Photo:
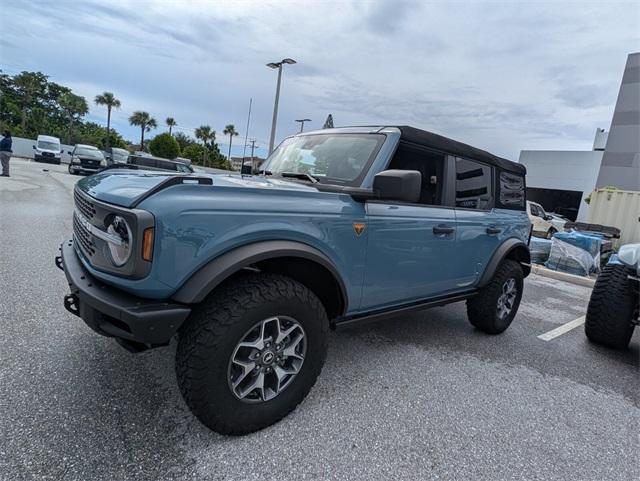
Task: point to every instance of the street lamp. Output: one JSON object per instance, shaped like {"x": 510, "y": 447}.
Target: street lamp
{"x": 277, "y": 65}
{"x": 302, "y": 121}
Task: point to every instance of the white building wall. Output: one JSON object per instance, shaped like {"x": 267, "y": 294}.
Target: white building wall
{"x": 563, "y": 170}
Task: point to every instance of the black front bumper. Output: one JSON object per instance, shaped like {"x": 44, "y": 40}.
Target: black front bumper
{"x": 115, "y": 313}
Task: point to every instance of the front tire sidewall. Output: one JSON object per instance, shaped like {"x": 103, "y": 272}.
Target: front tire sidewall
{"x": 210, "y": 396}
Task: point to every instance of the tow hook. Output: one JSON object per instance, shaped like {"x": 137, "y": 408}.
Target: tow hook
{"x": 71, "y": 304}
{"x": 59, "y": 263}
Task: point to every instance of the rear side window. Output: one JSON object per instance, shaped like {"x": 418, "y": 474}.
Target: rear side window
{"x": 163, "y": 164}
{"x": 144, "y": 161}
{"x": 511, "y": 191}
{"x": 473, "y": 185}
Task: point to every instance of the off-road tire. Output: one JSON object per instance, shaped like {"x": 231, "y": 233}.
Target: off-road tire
{"x": 210, "y": 335}
{"x": 611, "y": 308}
{"x": 482, "y": 308}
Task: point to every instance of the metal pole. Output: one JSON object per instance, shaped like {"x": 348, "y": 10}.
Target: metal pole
{"x": 272, "y": 139}
{"x": 246, "y": 134}
{"x": 301, "y": 125}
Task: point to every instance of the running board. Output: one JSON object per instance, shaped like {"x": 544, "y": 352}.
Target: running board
{"x": 375, "y": 316}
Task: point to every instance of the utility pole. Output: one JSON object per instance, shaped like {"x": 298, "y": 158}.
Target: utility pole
{"x": 246, "y": 133}
{"x": 277, "y": 65}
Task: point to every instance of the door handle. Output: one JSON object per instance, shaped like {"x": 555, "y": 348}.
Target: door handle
{"x": 493, "y": 230}
{"x": 443, "y": 229}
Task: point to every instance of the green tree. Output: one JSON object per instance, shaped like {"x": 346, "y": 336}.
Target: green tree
{"x": 111, "y": 102}
{"x": 145, "y": 122}
{"x": 171, "y": 122}
{"x": 74, "y": 108}
{"x": 230, "y": 130}
{"x": 183, "y": 140}
{"x": 196, "y": 153}
{"x": 95, "y": 134}
{"x": 164, "y": 145}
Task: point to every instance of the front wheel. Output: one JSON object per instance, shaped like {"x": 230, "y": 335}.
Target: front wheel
{"x": 495, "y": 306}
{"x": 71, "y": 171}
{"x": 251, "y": 352}
{"x": 612, "y": 308}
{"x": 551, "y": 232}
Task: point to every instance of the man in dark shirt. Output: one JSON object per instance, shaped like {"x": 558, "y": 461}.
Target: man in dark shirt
{"x": 5, "y": 152}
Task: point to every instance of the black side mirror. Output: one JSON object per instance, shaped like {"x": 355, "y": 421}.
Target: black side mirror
{"x": 403, "y": 185}
{"x": 69, "y": 152}
{"x": 548, "y": 217}
{"x": 34, "y": 147}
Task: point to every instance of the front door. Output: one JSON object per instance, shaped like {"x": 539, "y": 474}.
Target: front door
{"x": 410, "y": 253}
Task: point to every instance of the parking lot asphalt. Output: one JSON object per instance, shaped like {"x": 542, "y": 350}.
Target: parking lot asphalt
{"x": 420, "y": 397}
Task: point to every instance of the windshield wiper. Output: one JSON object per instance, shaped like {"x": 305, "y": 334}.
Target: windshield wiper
{"x": 301, "y": 176}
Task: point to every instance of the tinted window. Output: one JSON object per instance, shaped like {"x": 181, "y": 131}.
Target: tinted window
{"x": 473, "y": 185}
{"x": 511, "y": 190}
{"x": 429, "y": 164}
{"x": 144, "y": 161}
{"x": 163, "y": 164}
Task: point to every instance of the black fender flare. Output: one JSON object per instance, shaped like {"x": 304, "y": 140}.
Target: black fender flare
{"x": 212, "y": 274}
{"x": 501, "y": 253}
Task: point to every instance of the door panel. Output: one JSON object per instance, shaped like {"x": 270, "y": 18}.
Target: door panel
{"x": 406, "y": 260}
{"x": 479, "y": 234}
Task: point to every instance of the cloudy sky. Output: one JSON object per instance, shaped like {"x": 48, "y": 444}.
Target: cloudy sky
{"x": 503, "y": 76}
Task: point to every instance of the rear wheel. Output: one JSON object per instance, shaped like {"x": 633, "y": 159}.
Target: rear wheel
{"x": 251, "y": 352}
{"x": 495, "y": 306}
{"x": 612, "y": 308}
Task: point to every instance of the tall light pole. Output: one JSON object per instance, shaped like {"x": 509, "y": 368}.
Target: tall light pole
{"x": 302, "y": 121}
{"x": 277, "y": 65}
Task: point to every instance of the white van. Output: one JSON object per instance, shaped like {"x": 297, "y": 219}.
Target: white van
{"x": 47, "y": 149}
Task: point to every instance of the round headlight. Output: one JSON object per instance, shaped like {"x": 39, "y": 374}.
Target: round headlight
{"x": 121, "y": 251}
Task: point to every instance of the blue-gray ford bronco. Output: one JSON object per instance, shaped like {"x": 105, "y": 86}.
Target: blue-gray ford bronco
{"x": 250, "y": 272}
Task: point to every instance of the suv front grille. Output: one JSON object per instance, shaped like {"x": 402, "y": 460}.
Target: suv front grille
{"x": 83, "y": 205}
{"x": 83, "y": 236}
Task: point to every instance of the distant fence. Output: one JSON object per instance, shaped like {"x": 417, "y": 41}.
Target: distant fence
{"x": 617, "y": 208}
{"x": 24, "y": 148}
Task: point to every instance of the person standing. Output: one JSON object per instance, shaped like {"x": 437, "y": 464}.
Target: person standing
{"x": 5, "y": 152}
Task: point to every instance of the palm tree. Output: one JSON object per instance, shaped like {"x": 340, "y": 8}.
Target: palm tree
{"x": 145, "y": 122}
{"x": 171, "y": 122}
{"x": 230, "y": 130}
{"x": 207, "y": 135}
{"x": 108, "y": 99}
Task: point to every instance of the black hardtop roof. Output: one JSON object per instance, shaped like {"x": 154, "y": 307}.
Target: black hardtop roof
{"x": 439, "y": 142}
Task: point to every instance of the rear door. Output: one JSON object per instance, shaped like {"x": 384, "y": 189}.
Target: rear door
{"x": 480, "y": 227}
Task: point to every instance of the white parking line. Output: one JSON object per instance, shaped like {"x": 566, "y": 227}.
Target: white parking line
{"x": 558, "y": 331}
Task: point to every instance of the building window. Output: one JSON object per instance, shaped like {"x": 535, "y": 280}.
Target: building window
{"x": 473, "y": 185}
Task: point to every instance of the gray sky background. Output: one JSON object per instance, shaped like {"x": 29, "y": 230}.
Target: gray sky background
{"x": 503, "y": 76}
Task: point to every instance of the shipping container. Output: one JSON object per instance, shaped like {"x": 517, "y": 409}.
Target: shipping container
{"x": 617, "y": 208}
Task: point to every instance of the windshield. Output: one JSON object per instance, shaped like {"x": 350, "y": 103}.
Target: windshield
{"x": 330, "y": 158}
{"x": 93, "y": 153}
{"x": 44, "y": 145}
{"x": 119, "y": 155}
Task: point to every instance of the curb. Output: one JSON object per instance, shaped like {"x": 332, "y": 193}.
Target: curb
{"x": 562, "y": 276}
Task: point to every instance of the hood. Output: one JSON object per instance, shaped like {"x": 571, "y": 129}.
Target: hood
{"x": 125, "y": 188}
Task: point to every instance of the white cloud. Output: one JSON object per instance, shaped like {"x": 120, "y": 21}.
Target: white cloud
{"x": 500, "y": 76}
